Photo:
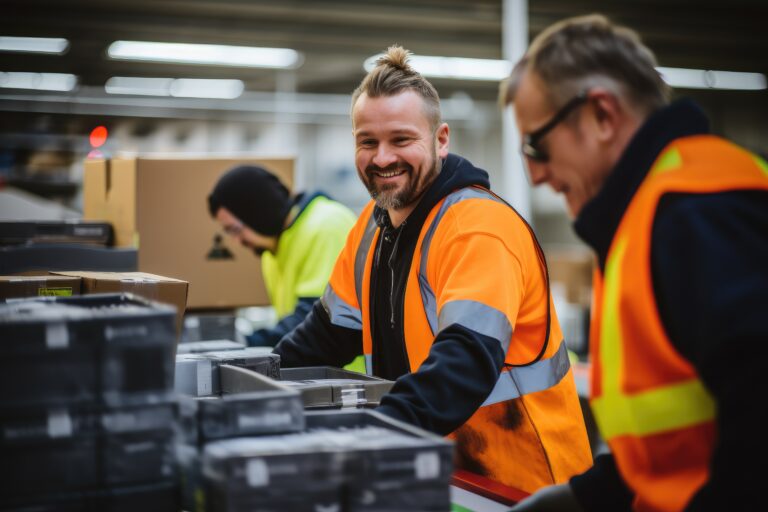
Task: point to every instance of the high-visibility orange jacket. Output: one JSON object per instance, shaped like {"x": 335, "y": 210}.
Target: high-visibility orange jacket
{"x": 648, "y": 400}
{"x": 474, "y": 305}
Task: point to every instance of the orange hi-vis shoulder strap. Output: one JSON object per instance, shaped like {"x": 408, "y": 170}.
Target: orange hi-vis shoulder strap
{"x": 344, "y": 298}
{"x": 517, "y": 379}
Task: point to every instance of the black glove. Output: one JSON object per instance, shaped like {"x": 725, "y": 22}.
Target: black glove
{"x": 555, "y": 498}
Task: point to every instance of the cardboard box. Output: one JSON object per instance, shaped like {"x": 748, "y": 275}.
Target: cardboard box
{"x": 150, "y": 286}
{"x": 574, "y": 270}
{"x": 159, "y": 206}
{"x": 13, "y": 287}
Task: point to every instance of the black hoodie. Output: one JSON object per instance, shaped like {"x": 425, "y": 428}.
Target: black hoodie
{"x": 711, "y": 288}
{"x": 458, "y": 356}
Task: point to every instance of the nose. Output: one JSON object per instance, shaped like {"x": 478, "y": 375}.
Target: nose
{"x": 384, "y": 155}
{"x": 537, "y": 171}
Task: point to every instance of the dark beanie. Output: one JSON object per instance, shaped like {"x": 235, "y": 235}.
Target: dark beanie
{"x": 253, "y": 195}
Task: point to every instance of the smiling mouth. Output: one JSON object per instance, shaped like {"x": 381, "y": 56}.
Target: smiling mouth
{"x": 389, "y": 174}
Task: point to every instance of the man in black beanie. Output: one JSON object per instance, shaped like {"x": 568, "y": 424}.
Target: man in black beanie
{"x": 298, "y": 238}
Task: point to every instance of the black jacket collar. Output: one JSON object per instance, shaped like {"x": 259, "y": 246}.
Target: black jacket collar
{"x": 599, "y": 219}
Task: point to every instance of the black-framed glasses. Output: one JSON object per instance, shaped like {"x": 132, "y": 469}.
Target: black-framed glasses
{"x": 233, "y": 229}
{"x": 530, "y": 146}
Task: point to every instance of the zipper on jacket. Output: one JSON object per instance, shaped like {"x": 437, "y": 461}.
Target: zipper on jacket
{"x": 391, "y": 264}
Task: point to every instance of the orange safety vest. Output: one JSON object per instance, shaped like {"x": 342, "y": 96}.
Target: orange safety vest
{"x": 530, "y": 430}
{"x": 649, "y": 403}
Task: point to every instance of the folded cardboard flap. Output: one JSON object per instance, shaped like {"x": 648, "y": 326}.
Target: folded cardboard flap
{"x": 150, "y": 286}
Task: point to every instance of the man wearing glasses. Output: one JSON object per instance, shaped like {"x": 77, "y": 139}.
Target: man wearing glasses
{"x": 298, "y": 239}
{"x": 678, "y": 220}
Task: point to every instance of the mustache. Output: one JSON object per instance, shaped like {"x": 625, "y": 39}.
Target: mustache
{"x": 397, "y": 166}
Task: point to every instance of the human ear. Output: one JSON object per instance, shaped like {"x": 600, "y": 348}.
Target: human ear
{"x": 606, "y": 112}
{"x": 442, "y": 138}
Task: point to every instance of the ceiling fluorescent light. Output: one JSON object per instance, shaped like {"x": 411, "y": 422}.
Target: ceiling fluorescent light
{"x": 179, "y": 87}
{"x": 53, "y": 45}
{"x": 458, "y": 68}
{"x": 207, "y": 54}
{"x": 203, "y": 88}
{"x": 708, "y": 79}
{"x": 38, "y": 81}
{"x": 494, "y": 70}
{"x": 139, "y": 86}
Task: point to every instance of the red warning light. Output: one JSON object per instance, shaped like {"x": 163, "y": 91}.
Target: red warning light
{"x": 98, "y": 136}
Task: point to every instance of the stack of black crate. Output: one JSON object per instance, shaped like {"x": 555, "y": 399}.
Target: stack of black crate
{"x": 87, "y": 410}
{"x": 252, "y": 447}
{"x": 225, "y": 395}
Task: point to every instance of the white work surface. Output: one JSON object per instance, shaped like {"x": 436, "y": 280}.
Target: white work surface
{"x": 466, "y": 501}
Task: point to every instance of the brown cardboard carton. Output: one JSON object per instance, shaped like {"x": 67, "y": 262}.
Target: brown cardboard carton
{"x": 150, "y": 286}
{"x": 159, "y": 206}
{"x": 12, "y": 287}
{"x": 574, "y": 270}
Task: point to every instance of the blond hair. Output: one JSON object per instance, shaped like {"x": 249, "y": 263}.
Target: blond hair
{"x": 393, "y": 75}
{"x": 586, "y": 51}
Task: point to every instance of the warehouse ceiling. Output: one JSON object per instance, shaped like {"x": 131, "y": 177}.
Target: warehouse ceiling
{"x": 336, "y": 36}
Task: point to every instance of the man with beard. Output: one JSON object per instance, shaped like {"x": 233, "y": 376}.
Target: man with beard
{"x": 298, "y": 239}
{"x": 444, "y": 289}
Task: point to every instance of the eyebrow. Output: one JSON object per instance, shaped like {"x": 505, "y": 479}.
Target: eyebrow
{"x": 399, "y": 131}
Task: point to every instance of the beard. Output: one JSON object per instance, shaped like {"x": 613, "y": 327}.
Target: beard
{"x": 389, "y": 196}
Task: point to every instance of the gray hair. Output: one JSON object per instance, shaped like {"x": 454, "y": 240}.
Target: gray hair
{"x": 587, "y": 51}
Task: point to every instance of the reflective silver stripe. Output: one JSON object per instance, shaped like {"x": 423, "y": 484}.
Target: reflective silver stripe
{"x": 524, "y": 380}
{"x": 362, "y": 255}
{"x": 341, "y": 313}
{"x": 478, "y": 317}
{"x": 427, "y": 294}
{"x": 368, "y": 364}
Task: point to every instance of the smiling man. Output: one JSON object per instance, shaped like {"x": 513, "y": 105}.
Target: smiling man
{"x": 678, "y": 221}
{"x": 444, "y": 289}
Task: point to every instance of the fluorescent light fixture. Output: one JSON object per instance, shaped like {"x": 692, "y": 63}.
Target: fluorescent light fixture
{"x": 494, "y": 70}
{"x": 458, "y": 68}
{"x": 177, "y": 87}
{"x": 204, "y": 88}
{"x": 708, "y": 79}
{"x": 55, "y": 45}
{"x": 208, "y": 54}
{"x": 139, "y": 86}
{"x": 38, "y": 81}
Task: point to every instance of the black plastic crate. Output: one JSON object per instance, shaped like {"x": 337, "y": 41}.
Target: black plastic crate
{"x": 328, "y": 387}
{"x": 257, "y": 359}
{"x": 49, "y": 232}
{"x": 110, "y": 349}
{"x": 393, "y": 496}
{"x": 198, "y": 374}
{"x": 156, "y": 497}
{"x": 273, "y": 409}
{"x": 80, "y": 449}
{"x": 425, "y": 457}
{"x": 376, "y": 462}
{"x": 209, "y": 326}
{"x": 302, "y": 498}
{"x": 196, "y": 347}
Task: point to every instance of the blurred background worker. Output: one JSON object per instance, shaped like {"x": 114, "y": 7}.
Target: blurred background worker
{"x": 443, "y": 286}
{"x": 298, "y": 239}
{"x": 678, "y": 220}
